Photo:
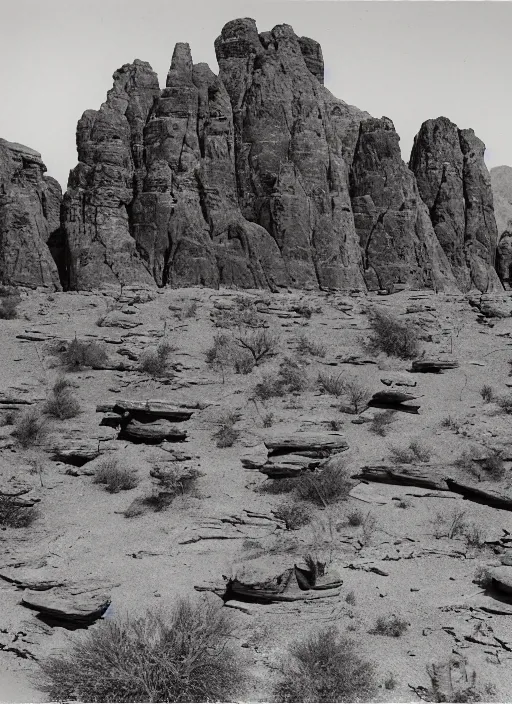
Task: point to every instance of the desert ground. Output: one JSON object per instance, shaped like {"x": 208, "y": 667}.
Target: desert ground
{"x": 432, "y": 558}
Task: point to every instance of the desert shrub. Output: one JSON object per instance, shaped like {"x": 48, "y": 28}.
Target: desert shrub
{"x": 279, "y": 486}
{"x": 115, "y": 478}
{"x": 381, "y": 422}
{"x": 390, "y": 625}
{"x": 12, "y": 515}
{"x": 295, "y": 514}
{"x": 466, "y": 462}
{"x": 306, "y": 346}
{"x": 225, "y": 353}
{"x": 155, "y": 362}
{"x": 268, "y": 420}
{"x": 31, "y": 428}
{"x": 357, "y": 396}
{"x": 393, "y": 337}
{"x": 227, "y": 435}
{"x": 350, "y": 598}
{"x": 483, "y": 577}
{"x": 80, "y": 353}
{"x": 487, "y": 393}
{"x": 493, "y": 466}
{"x": 474, "y": 535}
{"x": 390, "y": 682}
{"x": 324, "y": 487}
{"x": 505, "y": 403}
{"x": 449, "y": 525}
{"x": 326, "y": 667}
{"x": 9, "y": 418}
{"x": 9, "y": 307}
{"x": 61, "y": 403}
{"x": 188, "y": 310}
{"x": 184, "y": 656}
{"x": 450, "y": 423}
{"x": 414, "y": 452}
{"x": 333, "y": 384}
{"x": 291, "y": 375}
{"x": 404, "y": 503}
{"x": 170, "y": 483}
{"x": 355, "y": 518}
{"x": 259, "y": 343}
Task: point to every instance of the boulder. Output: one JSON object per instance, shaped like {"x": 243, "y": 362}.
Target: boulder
{"x": 78, "y": 603}
{"x": 152, "y": 433}
{"x": 502, "y": 578}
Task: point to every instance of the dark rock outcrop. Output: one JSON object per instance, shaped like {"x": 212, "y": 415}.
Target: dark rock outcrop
{"x": 29, "y": 218}
{"x": 501, "y": 181}
{"x": 398, "y": 242}
{"x": 454, "y": 183}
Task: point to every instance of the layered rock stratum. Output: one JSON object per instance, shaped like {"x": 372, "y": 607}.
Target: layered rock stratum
{"x": 257, "y": 177}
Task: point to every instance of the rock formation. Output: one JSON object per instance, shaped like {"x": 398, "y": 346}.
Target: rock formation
{"x": 501, "y": 180}
{"x": 29, "y": 218}
{"x": 258, "y": 177}
{"x": 454, "y": 183}
{"x": 398, "y": 242}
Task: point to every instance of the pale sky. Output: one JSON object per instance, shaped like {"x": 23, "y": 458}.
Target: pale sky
{"x": 409, "y": 61}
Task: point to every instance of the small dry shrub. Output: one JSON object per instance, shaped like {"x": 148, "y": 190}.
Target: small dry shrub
{"x": 390, "y": 682}
{"x": 155, "y": 362}
{"x": 404, "y": 503}
{"x": 31, "y": 428}
{"x": 324, "y": 487}
{"x": 289, "y": 379}
{"x": 414, "y": 452}
{"x": 227, "y": 435}
{"x": 259, "y": 343}
{"x": 268, "y": 420}
{"x": 170, "y": 483}
{"x": 182, "y": 656}
{"x": 368, "y": 528}
{"x": 390, "y": 625}
{"x": 286, "y": 485}
{"x": 9, "y": 418}
{"x": 295, "y": 514}
{"x": 392, "y": 336}
{"x": 505, "y": 403}
{"x": 355, "y": 518}
{"x": 9, "y": 307}
{"x": 188, "y": 310}
{"x": 61, "y": 403}
{"x": 306, "y": 345}
{"x": 483, "y": 577}
{"x": 333, "y": 384}
{"x": 451, "y": 423}
{"x": 326, "y": 667}
{"x": 225, "y": 353}
{"x": 80, "y": 354}
{"x": 493, "y": 466}
{"x": 357, "y": 396}
{"x": 381, "y": 422}
{"x": 12, "y": 515}
{"x": 487, "y": 393}
{"x": 449, "y": 525}
{"x": 351, "y": 598}
{"x": 115, "y": 478}
{"x": 474, "y": 535}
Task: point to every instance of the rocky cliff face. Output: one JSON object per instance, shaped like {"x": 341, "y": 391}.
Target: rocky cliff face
{"x": 501, "y": 181}
{"x": 29, "y": 218}
{"x": 397, "y": 239}
{"x": 454, "y": 183}
{"x": 258, "y": 177}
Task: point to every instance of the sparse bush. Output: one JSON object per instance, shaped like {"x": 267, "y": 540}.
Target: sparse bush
{"x": 483, "y": 577}
{"x": 350, "y": 598}
{"x": 450, "y": 525}
{"x": 357, "y": 395}
{"x": 9, "y": 418}
{"x": 186, "y": 656}
{"x": 355, "y": 518}
{"x": 390, "y": 682}
{"x": 487, "y": 393}
{"x": 368, "y": 528}
{"x": 393, "y": 337}
{"x": 505, "y": 403}
{"x": 61, "y": 403}
{"x": 326, "y": 667}
{"x": 466, "y": 463}
{"x": 171, "y": 483}
{"x": 292, "y": 376}
{"x": 391, "y": 625}
{"x": 381, "y": 422}
{"x": 450, "y": 423}
{"x": 474, "y": 535}
{"x": 268, "y": 387}
{"x": 9, "y": 307}
{"x": 414, "y": 452}
{"x": 227, "y": 435}
{"x": 493, "y": 466}
{"x": 80, "y": 354}
{"x": 31, "y": 428}
{"x": 303, "y": 309}
{"x": 279, "y": 486}
{"x": 324, "y": 487}
{"x": 295, "y": 515}
{"x": 259, "y": 343}
{"x": 404, "y": 503}
{"x": 225, "y": 353}
{"x": 114, "y": 477}
{"x": 268, "y": 420}
{"x": 155, "y": 362}
{"x": 331, "y": 383}
{"x": 307, "y": 346}
{"x": 188, "y": 310}
{"x": 14, "y": 515}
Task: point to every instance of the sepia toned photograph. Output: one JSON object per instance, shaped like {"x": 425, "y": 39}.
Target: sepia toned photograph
{"x": 255, "y": 351}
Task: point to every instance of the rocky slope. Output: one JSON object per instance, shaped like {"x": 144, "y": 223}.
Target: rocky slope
{"x": 260, "y": 177}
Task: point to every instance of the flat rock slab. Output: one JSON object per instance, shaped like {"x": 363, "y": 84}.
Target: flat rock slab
{"x": 392, "y": 396}
{"x": 153, "y": 408}
{"x": 81, "y": 602}
{"x": 306, "y": 441}
{"x": 369, "y": 494}
{"x": 76, "y": 453}
{"x": 256, "y": 458}
{"x": 152, "y": 433}
{"x": 433, "y": 365}
{"x": 31, "y": 578}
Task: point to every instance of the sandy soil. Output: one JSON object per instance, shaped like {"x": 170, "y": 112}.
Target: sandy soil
{"x": 81, "y": 531}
